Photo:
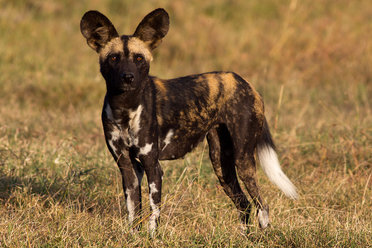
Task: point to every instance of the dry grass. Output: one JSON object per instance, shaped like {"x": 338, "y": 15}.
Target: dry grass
{"x": 311, "y": 62}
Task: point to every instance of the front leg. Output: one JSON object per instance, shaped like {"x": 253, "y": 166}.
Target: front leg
{"x": 149, "y": 157}
{"x": 131, "y": 172}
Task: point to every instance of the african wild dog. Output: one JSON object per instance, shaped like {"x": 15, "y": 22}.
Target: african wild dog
{"x": 147, "y": 119}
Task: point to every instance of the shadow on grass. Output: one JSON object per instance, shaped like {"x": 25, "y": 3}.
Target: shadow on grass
{"x": 318, "y": 235}
{"x": 77, "y": 189}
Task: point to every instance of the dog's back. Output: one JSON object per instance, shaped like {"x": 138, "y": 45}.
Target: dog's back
{"x": 192, "y": 105}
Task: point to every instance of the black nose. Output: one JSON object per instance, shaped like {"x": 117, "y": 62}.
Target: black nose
{"x": 127, "y": 77}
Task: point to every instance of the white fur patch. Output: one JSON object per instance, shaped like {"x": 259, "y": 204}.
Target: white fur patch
{"x": 153, "y": 188}
{"x": 154, "y": 216}
{"x": 263, "y": 218}
{"x": 130, "y": 205}
{"x": 146, "y": 149}
{"x": 134, "y": 124}
{"x": 134, "y": 119}
{"x": 115, "y": 135}
{"x": 168, "y": 138}
{"x": 270, "y": 165}
{"x": 155, "y": 209}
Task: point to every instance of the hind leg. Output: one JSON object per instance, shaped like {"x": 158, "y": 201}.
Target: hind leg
{"x": 222, "y": 157}
{"x": 246, "y": 166}
{"x": 245, "y": 129}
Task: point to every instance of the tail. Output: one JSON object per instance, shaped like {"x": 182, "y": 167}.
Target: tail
{"x": 270, "y": 163}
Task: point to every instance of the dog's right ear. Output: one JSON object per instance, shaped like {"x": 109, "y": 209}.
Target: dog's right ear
{"x": 97, "y": 29}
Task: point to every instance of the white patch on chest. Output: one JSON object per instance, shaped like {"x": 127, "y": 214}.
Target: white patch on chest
{"x": 146, "y": 149}
{"x": 129, "y": 135}
{"x": 134, "y": 124}
{"x": 168, "y": 138}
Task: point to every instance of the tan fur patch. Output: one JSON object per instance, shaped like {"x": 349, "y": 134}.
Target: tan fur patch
{"x": 160, "y": 119}
{"x": 135, "y": 45}
{"x": 160, "y": 86}
{"x": 162, "y": 91}
{"x": 113, "y": 46}
{"x": 229, "y": 84}
{"x": 258, "y": 104}
{"x": 213, "y": 86}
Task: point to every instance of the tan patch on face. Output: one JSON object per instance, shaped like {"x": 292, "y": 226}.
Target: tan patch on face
{"x": 113, "y": 46}
{"x": 136, "y": 46}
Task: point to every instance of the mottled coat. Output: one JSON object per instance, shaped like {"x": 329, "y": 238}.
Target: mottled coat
{"x": 147, "y": 119}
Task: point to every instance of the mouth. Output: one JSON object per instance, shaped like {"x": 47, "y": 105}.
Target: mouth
{"x": 119, "y": 87}
{"x": 121, "y": 90}
{"x": 125, "y": 88}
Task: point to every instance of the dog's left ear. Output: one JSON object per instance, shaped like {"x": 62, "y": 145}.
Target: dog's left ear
{"x": 153, "y": 28}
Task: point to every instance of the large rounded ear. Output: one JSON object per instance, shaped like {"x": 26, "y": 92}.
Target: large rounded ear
{"x": 153, "y": 28}
{"x": 97, "y": 29}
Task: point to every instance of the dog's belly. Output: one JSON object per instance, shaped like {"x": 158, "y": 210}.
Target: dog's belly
{"x": 180, "y": 145}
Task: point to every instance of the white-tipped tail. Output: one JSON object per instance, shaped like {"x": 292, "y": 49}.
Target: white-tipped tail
{"x": 270, "y": 164}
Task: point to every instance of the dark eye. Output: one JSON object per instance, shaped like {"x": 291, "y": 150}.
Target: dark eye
{"x": 138, "y": 57}
{"x": 114, "y": 57}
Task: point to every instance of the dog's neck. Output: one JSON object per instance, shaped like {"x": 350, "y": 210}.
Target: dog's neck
{"x": 127, "y": 100}
{"x": 123, "y": 104}
{"x": 123, "y": 101}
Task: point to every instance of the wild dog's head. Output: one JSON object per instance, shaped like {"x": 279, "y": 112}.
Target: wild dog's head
{"x": 124, "y": 60}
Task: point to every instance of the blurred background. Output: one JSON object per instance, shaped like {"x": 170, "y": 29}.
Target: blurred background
{"x": 310, "y": 60}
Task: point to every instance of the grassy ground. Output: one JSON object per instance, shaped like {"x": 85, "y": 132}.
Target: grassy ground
{"x": 311, "y": 61}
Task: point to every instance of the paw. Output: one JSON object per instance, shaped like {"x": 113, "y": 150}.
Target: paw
{"x": 263, "y": 218}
